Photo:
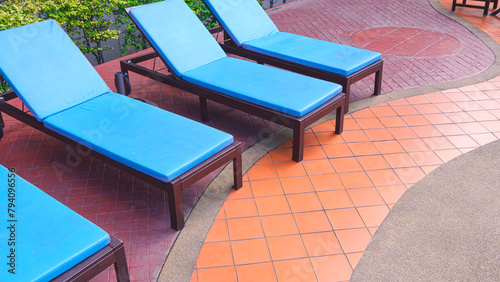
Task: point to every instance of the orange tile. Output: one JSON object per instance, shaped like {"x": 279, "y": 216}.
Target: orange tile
{"x": 398, "y": 102}
{"x": 331, "y": 268}
{"x": 384, "y": 177}
{"x": 389, "y": 147}
{"x": 428, "y": 169}
{"x": 337, "y": 150}
{"x": 363, "y": 148}
{"x": 221, "y": 214}
{"x": 417, "y": 100}
{"x": 272, "y": 205}
{"x": 326, "y": 182}
{"x": 365, "y": 197}
{"x": 290, "y": 169}
{"x": 436, "y": 97}
{"x": 374, "y": 215}
{"x": 492, "y": 126}
{"x": 325, "y": 126}
{"x": 426, "y": 131}
{"x": 410, "y": 175}
{"x": 365, "y": 113}
{"x": 301, "y": 184}
{"x": 245, "y": 228}
{"x": 310, "y": 139}
{"x": 314, "y": 153}
{"x": 286, "y": 247}
{"x": 413, "y": 145}
{"x": 218, "y": 232}
{"x": 304, "y": 202}
{"x": 217, "y": 274}
{"x": 250, "y": 251}
{"x": 279, "y": 225}
{"x": 350, "y": 123}
{"x": 383, "y": 111}
{"x": 415, "y": 120}
{"x": 264, "y": 171}
{"x": 354, "y": 240}
{"x": 262, "y": 272}
{"x": 427, "y": 109}
{"x": 345, "y": 218}
{"x": 240, "y": 208}
{"x": 438, "y": 118}
{"x": 402, "y": 132}
{"x": 294, "y": 270}
{"x": 369, "y": 123}
{"x": 355, "y": 136}
{"x": 463, "y": 141}
{"x": 373, "y": 162}
{"x": 391, "y": 193}
{"x": 318, "y": 167}
{"x": 438, "y": 143}
{"x": 244, "y": 192}
{"x": 426, "y": 158}
{"x": 380, "y": 134}
{"x": 281, "y": 155}
{"x": 459, "y": 117}
{"x": 400, "y": 160}
{"x": 269, "y": 187}
{"x": 329, "y": 138}
{"x": 449, "y": 129}
{"x": 355, "y": 180}
{"x": 346, "y": 164}
{"x": 354, "y": 259}
{"x": 321, "y": 244}
{"x": 392, "y": 121}
{"x": 483, "y": 138}
{"x": 335, "y": 199}
{"x": 310, "y": 222}
{"x": 194, "y": 276}
{"x": 405, "y": 110}
{"x": 215, "y": 254}
{"x": 372, "y": 230}
{"x": 266, "y": 159}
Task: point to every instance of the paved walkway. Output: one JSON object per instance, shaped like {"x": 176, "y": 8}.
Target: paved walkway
{"x": 382, "y": 144}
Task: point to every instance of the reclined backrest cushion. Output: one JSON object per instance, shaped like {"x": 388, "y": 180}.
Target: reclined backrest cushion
{"x": 177, "y": 34}
{"x": 244, "y": 20}
{"x": 46, "y": 69}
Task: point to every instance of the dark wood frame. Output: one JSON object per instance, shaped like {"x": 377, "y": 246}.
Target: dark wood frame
{"x": 113, "y": 253}
{"x": 297, "y": 124}
{"x": 173, "y": 188}
{"x": 485, "y": 7}
{"x": 230, "y": 46}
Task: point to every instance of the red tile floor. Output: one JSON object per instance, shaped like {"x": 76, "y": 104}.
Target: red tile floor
{"x": 297, "y": 218}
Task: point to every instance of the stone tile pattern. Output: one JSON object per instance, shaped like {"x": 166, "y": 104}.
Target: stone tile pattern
{"x": 312, "y": 221}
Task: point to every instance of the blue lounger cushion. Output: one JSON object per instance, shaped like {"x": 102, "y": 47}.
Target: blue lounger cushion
{"x": 320, "y": 54}
{"x": 32, "y": 56}
{"x": 240, "y": 17}
{"x": 177, "y": 34}
{"x": 273, "y": 88}
{"x": 148, "y": 139}
{"x": 50, "y": 238}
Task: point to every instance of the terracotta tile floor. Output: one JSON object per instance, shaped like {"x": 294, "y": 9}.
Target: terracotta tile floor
{"x": 326, "y": 207}
{"x": 311, "y": 221}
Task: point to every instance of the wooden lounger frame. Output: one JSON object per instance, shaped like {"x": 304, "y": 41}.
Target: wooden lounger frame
{"x": 297, "y": 124}
{"x": 173, "y": 188}
{"x": 113, "y": 253}
{"x": 377, "y": 67}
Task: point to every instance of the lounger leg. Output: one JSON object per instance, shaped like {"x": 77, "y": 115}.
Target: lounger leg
{"x": 237, "y": 171}
{"x": 298, "y": 142}
{"x": 204, "y": 109}
{"x": 121, "y": 268}
{"x": 453, "y": 6}
{"x": 486, "y": 7}
{"x": 347, "y": 91}
{"x": 378, "y": 81}
{"x": 339, "y": 122}
{"x": 174, "y": 194}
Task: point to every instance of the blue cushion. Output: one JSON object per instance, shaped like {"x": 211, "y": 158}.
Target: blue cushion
{"x": 273, "y": 88}
{"x": 324, "y": 55}
{"x": 50, "y": 238}
{"x": 177, "y": 34}
{"x": 46, "y": 69}
{"x": 243, "y": 20}
{"x": 148, "y": 139}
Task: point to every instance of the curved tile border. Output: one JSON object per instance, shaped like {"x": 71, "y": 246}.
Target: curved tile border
{"x": 184, "y": 253}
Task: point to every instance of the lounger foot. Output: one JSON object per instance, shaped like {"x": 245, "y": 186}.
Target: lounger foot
{"x": 237, "y": 171}
{"x": 378, "y": 82}
{"x": 298, "y": 143}
{"x": 339, "y": 121}
{"x": 174, "y": 194}
{"x": 122, "y": 83}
